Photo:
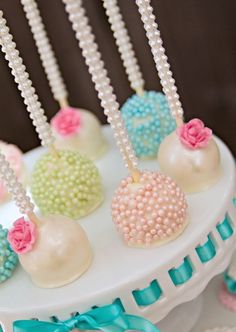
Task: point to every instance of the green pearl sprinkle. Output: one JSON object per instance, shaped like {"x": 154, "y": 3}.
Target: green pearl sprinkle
{"x": 148, "y": 121}
{"x": 68, "y": 184}
{"x": 8, "y": 259}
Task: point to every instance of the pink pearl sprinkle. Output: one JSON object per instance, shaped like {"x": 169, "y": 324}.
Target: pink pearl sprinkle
{"x": 154, "y": 211}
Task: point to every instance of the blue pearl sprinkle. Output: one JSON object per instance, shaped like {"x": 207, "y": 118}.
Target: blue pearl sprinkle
{"x": 148, "y": 121}
{"x": 8, "y": 259}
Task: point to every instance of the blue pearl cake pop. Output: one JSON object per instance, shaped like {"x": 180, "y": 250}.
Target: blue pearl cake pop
{"x": 148, "y": 121}
{"x": 8, "y": 259}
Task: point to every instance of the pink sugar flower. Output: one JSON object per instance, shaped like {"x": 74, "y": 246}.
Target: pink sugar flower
{"x": 22, "y": 236}
{"x": 194, "y": 135}
{"x": 67, "y": 121}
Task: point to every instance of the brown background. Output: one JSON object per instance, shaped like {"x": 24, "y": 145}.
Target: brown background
{"x": 200, "y": 38}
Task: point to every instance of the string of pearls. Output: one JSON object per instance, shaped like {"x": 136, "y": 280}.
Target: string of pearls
{"x": 24, "y": 84}
{"x": 99, "y": 75}
{"x": 161, "y": 60}
{"x": 45, "y": 50}
{"x": 14, "y": 187}
{"x": 124, "y": 45}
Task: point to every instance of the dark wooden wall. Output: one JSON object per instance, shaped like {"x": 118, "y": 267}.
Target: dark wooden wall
{"x": 200, "y": 38}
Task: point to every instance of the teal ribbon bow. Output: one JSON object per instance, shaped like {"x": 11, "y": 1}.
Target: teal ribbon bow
{"x": 110, "y": 318}
{"x": 230, "y": 284}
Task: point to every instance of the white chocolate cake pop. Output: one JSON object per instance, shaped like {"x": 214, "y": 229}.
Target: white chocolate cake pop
{"x": 151, "y": 212}
{"x": 78, "y": 130}
{"x": 54, "y": 250}
{"x": 55, "y": 253}
{"x": 191, "y": 157}
{"x": 15, "y": 158}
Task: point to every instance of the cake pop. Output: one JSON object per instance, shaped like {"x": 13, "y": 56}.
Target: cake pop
{"x": 63, "y": 182}
{"x": 54, "y": 253}
{"x": 85, "y": 137}
{"x": 15, "y": 158}
{"x": 190, "y": 154}
{"x": 8, "y": 259}
{"x": 150, "y": 212}
{"x": 54, "y": 250}
{"x": 78, "y": 130}
{"x": 146, "y": 114}
{"x": 148, "y": 121}
{"x": 148, "y": 208}
{"x": 67, "y": 184}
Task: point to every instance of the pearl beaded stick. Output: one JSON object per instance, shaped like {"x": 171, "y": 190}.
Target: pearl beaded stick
{"x": 146, "y": 114}
{"x": 46, "y": 52}
{"x": 72, "y": 187}
{"x": 15, "y": 188}
{"x": 25, "y": 85}
{"x": 74, "y": 129}
{"x": 125, "y": 46}
{"x": 102, "y": 83}
{"x": 161, "y": 60}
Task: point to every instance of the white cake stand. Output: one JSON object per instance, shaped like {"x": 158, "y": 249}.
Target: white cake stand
{"x": 117, "y": 271}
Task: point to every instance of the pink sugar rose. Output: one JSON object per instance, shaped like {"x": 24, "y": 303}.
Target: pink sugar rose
{"x": 22, "y": 236}
{"x": 194, "y": 135}
{"x": 67, "y": 121}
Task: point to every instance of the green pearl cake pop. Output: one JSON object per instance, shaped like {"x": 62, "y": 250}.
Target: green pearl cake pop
{"x": 66, "y": 183}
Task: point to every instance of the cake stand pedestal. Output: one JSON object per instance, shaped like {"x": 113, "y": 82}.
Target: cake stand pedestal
{"x": 182, "y": 318}
{"x": 143, "y": 281}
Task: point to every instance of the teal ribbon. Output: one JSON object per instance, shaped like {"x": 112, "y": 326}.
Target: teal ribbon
{"x": 149, "y": 295}
{"x": 230, "y": 283}
{"x": 110, "y": 318}
{"x": 181, "y": 274}
{"x": 207, "y": 251}
{"x": 225, "y": 228}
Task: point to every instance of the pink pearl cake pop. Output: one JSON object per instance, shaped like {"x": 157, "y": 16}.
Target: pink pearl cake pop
{"x": 191, "y": 157}
{"x": 151, "y": 212}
